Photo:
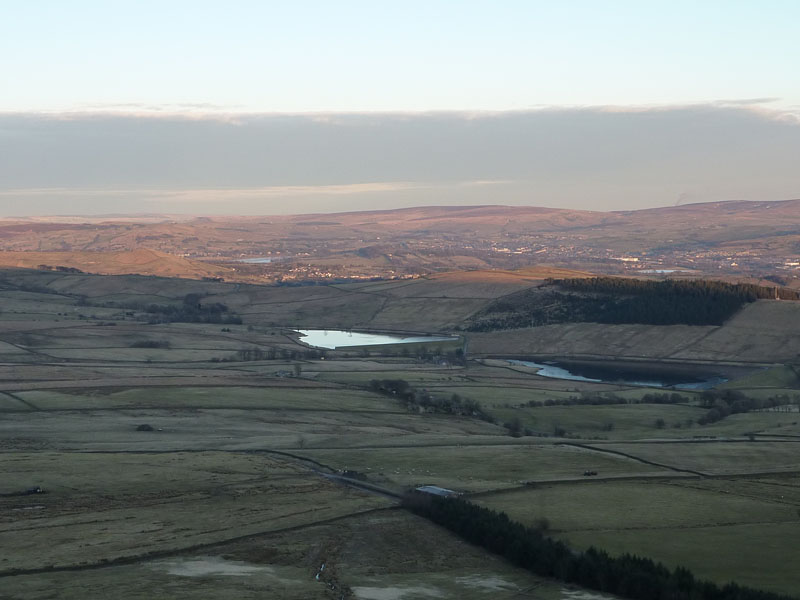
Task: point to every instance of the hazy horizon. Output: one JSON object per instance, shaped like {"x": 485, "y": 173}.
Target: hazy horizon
{"x": 187, "y": 216}
{"x": 603, "y": 158}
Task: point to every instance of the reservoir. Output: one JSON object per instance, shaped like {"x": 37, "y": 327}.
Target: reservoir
{"x": 261, "y": 260}
{"x": 337, "y": 338}
{"x": 661, "y": 377}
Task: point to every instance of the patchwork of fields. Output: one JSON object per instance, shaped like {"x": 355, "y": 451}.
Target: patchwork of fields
{"x": 181, "y": 460}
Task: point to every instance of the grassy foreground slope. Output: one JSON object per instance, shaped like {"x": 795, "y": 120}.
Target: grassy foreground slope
{"x": 385, "y": 554}
{"x": 227, "y": 493}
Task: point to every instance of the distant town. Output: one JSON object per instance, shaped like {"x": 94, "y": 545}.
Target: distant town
{"x": 754, "y": 240}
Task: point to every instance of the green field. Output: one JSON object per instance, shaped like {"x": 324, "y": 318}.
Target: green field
{"x": 755, "y": 555}
{"x": 618, "y": 421}
{"x": 481, "y": 468}
{"x": 717, "y": 458}
{"x": 189, "y": 470}
{"x": 384, "y": 554}
{"x": 679, "y": 523}
{"x": 273, "y": 397}
{"x": 102, "y": 507}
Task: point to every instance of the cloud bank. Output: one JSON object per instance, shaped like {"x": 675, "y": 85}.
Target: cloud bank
{"x": 601, "y": 158}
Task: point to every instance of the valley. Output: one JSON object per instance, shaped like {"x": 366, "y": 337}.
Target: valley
{"x": 232, "y": 455}
{"x": 721, "y": 239}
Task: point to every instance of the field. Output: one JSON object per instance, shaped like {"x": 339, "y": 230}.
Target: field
{"x": 401, "y": 562}
{"x": 474, "y": 468}
{"x": 725, "y": 528}
{"x": 159, "y": 502}
{"x": 224, "y": 460}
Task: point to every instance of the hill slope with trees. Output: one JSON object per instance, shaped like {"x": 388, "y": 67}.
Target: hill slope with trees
{"x": 615, "y": 300}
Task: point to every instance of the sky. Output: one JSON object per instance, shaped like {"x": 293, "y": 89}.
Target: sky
{"x": 261, "y": 107}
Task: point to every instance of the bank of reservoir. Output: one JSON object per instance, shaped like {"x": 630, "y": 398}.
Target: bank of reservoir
{"x": 338, "y": 338}
{"x": 643, "y": 375}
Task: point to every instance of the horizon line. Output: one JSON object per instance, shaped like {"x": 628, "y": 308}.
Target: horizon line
{"x": 151, "y": 215}
{"x": 201, "y": 111}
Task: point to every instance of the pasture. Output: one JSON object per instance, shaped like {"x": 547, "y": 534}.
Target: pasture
{"x": 721, "y": 532}
{"x": 474, "y": 468}
{"x": 174, "y": 455}
{"x": 383, "y": 554}
{"x": 105, "y": 507}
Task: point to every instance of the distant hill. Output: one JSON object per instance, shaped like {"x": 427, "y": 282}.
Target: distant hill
{"x": 142, "y": 262}
{"x": 736, "y": 239}
{"x": 529, "y": 274}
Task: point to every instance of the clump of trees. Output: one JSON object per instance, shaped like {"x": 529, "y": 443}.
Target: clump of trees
{"x": 151, "y": 344}
{"x": 192, "y": 310}
{"x": 399, "y": 388}
{"x": 606, "y": 399}
{"x": 423, "y": 400}
{"x": 59, "y": 269}
{"x": 628, "y": 575}
{"x": 434, "y": 355}
{"x": 662, "y": 398}
{"x": 256, "y": 353}
{"x": 619, "y": 300}
{"x": 723, "y": 403}
{"x": 516, "y": 429}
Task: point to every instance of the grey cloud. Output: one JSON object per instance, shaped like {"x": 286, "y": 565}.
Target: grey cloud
{"x": 598, "y": 158}
{"x": 747, "y": 101}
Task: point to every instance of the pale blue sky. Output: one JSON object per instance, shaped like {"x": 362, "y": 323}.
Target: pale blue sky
{"x": 261, "y": 56}
{"x": 604, "y": 104}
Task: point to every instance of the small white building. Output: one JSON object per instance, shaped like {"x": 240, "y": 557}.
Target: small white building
{"x": 437, "y": 491}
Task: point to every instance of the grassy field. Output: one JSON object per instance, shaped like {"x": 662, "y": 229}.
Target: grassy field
{"x": 103, "y": 507}
{"x": 226, "y": 496}
{"x": 617, "y": 421}
{"x": 755, "y": 555}
{"x": 718, "y": 532}
{"x": 718, "y": 458}
{"x": 288, "y": 398}
{"x": 782, "y": 377}
{"x": 630, "y": 505}
{"x": 375, "y": 556}
{"x": 235, "y": 429}
{"x": 480, "y": 468}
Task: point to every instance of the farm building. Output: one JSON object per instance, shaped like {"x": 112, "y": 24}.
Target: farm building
{"x": 437, "y": 491}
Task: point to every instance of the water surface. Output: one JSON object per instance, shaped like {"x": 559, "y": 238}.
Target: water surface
{"x": 338, "y": 338}
{"x": 260, "y": 260}
{"x": 602, "y": 373}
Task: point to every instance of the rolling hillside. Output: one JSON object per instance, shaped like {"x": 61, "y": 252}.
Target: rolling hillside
{"x": 141, "y": 262}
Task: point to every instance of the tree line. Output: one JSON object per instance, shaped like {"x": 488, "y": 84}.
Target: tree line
{"x": 628, "y": 575}
{"x": 59, "y": 269}
{"x": 619, "y": 300}
{"x": 423, "y": 400}
{"x": 256, "y": 353}
{"x": 606, "y": 399}
{"x": 192, "y": 310}
{"x": 723, "y": 403}
{"x": 747, "y": 292}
